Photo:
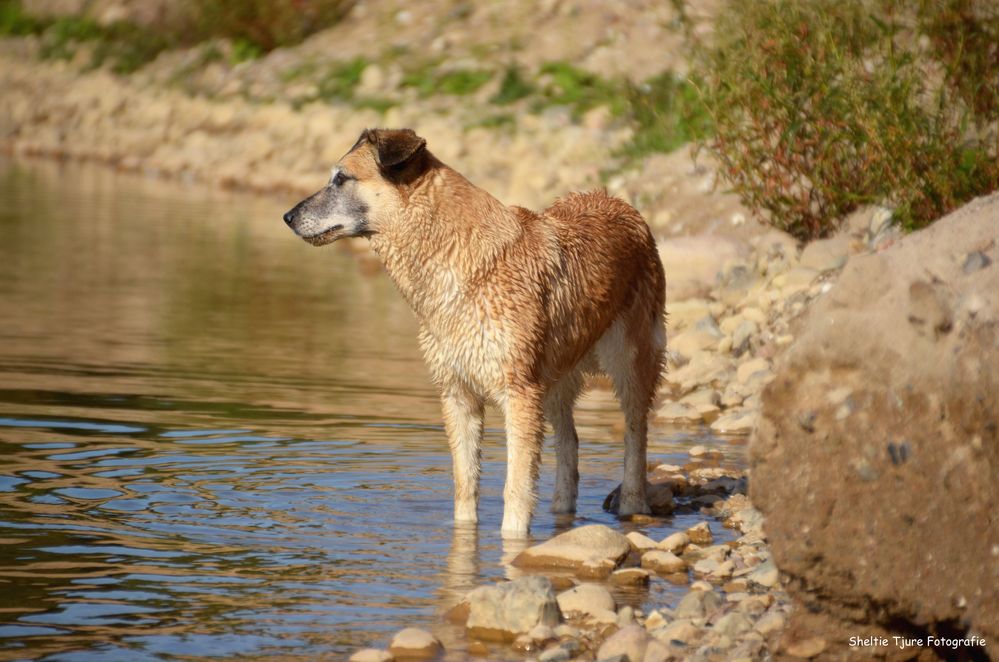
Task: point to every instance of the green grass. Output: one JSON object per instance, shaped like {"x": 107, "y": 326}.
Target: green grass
{"x": 513, "y": 87}
{"x": 428, "y": 80}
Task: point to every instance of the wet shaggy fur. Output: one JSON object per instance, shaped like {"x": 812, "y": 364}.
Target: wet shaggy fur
{"x": 515, "y": 308}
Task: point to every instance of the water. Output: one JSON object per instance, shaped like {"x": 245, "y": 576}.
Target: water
{"x": 220, "y": 441}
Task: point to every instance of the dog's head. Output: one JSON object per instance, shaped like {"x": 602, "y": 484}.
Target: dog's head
{"x": 366, "y": 189}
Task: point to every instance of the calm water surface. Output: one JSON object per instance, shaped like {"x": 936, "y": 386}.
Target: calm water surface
{"x": 219, "y": 441}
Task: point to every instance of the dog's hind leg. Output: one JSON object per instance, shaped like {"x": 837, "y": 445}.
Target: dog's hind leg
{"x": 628, "y": 353}
{"x": 463, "y": 421}
{"x": 558, "y": 409}
{"x": 524, "y": 437}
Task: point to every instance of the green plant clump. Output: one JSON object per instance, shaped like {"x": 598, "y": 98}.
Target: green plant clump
{"x": 825, "y": 105}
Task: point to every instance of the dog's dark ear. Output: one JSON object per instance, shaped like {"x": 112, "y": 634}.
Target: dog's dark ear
{"x": 394, "y": 147}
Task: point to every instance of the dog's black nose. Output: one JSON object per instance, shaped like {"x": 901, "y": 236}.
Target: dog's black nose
{"x": 289, "y": 218}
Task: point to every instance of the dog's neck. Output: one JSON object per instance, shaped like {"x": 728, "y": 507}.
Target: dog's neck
{"x": 447, "y": 237}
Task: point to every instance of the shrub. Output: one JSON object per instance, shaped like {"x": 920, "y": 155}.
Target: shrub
{"x": 267, "y": 24}
{"x": 821, "y": 106}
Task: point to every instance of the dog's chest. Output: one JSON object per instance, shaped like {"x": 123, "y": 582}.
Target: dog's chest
{"x": 465, "y": 336}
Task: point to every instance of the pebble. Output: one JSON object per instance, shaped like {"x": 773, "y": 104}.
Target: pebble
{"x": 655, "y": 620}
{"x": 415, "y": 643}
{"x": 555, "y": 654}
{"x": 731, "y": 625}
{"x": 770, "y": 623}
{"x": 630, "y": 641}
{"x": 698, "y": 604}
{"x": 765, "y": 574}
{"x": 625, "y": 616}
{"x": 589, "y": 599}
{"x": 371, "y": 655}
{"x": 682, "y": 630}
{"x": 630, "y": 577}
{"x": 640, "y": 542}
{"x": 806, "y": 648}
{"x": 700, "y": 534}
{"x": 675, "y": 542}
{"x": 663, "y": 562}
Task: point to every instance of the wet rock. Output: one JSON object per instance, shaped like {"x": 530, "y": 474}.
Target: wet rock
{"x": 555, "y": 654}
{"x": 700, "y": 534}
{"x": 371, "y": 655}
{"x": 736, "y": 421}
{"x": 674, "y": 542}
{"x": 679, "y": 412}
{"x": 916, "y": 453}
{"x": 639, "y": 541}
{"x": 629, "y": 577}
{"x": 630, "y": 641}
{"x": 663, "y": 562}
{"x": 415, "y": 644}
{"x": 503, "y": 611}
{"x": 588, "y": 599}
{"x": 591, "y": 543}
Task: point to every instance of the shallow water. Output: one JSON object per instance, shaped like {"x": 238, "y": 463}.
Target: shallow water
{"x": 220, "y": 441}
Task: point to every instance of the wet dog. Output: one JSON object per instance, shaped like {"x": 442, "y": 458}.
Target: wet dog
{"x": 515, "y": 308}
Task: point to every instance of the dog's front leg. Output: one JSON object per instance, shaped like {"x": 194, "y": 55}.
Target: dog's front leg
{"x": 524, "y": 437}
{"x": 463, "y": 416}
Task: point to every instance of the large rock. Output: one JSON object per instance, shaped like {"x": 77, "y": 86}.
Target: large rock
{"x": 587, "y": 599}
{"x": 503, "y": 611}
{"x": 877, "y": 454}
{"x": 591, "y": 545}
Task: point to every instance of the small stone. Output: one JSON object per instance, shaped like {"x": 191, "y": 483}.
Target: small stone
{"x": 541, "y": 633}
{"x": 743, "y": 335}
{"x": 975, "y": 261}
{"x": 681, "y": 630}
{"x": 629, "y": 577}
{"x": 415, "y": 643}
{"x": 640, "y": 542}
{"x": 765, "y": 574}
{"x": 698, "y": 451}
{"x": 503, "y": 611}
{"x": 731, "y": 625}
{"x": 625, "y": 616}
{"x": 705, "y": 566}
{"x": 700, "y": 534}
{"x": 663, "y": 562}
{"x": 770, "y": 623}
{"x": 807, "y": 648}
{"x": 371, "y": 655}
{"x": 655, "y": 620}
{"x": 588, "y": 599}
{"x": 555, "y": 654}
{"x": 567, "y": 631}
{"x": 593, "y": 542}
{"x": 750, "y": 367}
{"x": 698, "y": 604}
{"x": 678, "y": 412}
{"x": 735, "y": 421}
{"x": 630, "y": 641}
{"x": 478, "y": 648}
{"x": 674, "y": 542}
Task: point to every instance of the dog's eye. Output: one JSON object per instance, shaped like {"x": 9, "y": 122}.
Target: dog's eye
{"x": 339, "y": 178}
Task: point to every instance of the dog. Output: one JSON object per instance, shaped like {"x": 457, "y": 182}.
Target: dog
{"x": 515, "y": 308}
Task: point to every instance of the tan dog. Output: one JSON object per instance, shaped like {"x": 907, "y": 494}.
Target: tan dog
{"x": 514, "y": 308}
